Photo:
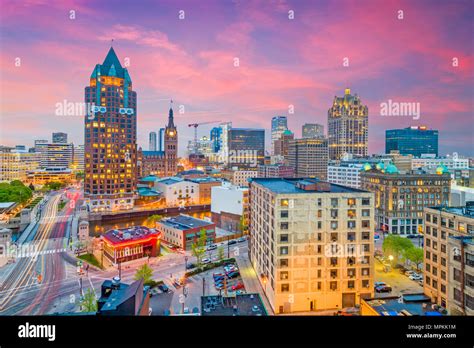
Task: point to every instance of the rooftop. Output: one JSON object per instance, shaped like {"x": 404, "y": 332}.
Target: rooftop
{"x": 290, "y": 185}
{"x": 410, "y": 304}
{"x": 116, "y": 293}
{"x": 464, "y": 239}
{"x": 466, "y": 211}
{"x": 170, "y": 181}
{"x": 185, "y": 222}
{"x": 244, "y": 304}
{"x": 148, "y": 192}
{"x": 135, "y": 233}
{"x": 153, "y": 153}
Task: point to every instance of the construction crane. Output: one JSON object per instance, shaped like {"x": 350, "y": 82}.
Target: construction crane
{"x": 196, "y": 125}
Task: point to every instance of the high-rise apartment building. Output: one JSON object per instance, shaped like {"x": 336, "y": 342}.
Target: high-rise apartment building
{"x": 449, "y": 258}
{"x": 348, "y": 123}
{"x": 110, "y": 143}
{"x": 312, "y": 130}
{"x": 312, "y": 243}
{"x": 279, "y": 125}
{"x": 309, "y": 157}
{"x": 78, "y": 161}
{"x": 414, "y": 141}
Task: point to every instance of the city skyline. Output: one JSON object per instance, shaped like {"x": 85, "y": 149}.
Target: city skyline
{"x": 307, "y": 72}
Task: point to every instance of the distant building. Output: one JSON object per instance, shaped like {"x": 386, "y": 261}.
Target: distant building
{"x": 432, "y": 162}
{"x": 401, "y": 198}
{"x": 78, "y": 159}
{"x": 312, "y": 244}
{"x": 224, "y": 143}
{"x": 128, "y": 244}
{"x": 120, "y": 299}
{"x": 14, "y": 165}
{"x": 59, "y": 138}
{"x": 177, "y": 191}
{"x": 276, "y": 171}
{"x": 216, "y": 138}
{"x": 279, "y": 125}
{"x": 414, "y": 141}
{"x": 152, "y": 142}
{"x": 45, "y": 175}
{"x": 312, "y": 130}
{"x": 56, "y": 155}
{"x": 348, "y": 126}
{"x": 281, "y": 147}
{"x": 239, "y": 177}
{"x": 246, "y": 147}
{"x": 229, "y": 207}
{"x": 447, "y": 270}
{"x": 309, "y": 157}
{"x": 184, "y": 230}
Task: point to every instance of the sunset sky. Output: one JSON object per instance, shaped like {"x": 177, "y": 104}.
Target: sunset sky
{"x": 282, "y": 62}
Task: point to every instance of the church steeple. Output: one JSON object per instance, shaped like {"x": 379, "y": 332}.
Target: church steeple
{"x": 170, "y": 116}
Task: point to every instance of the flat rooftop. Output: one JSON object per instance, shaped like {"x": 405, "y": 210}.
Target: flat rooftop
{"x": 289, "y": 185}
{"x": 135, "y": 233}
{"x": 185, "y": 222}
{"x": 414, "y": 304}
{"x": 244, "y": 305}
{"x": 466, "y": 211}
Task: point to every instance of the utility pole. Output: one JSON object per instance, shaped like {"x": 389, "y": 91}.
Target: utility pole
{"x": 203, "y": 286}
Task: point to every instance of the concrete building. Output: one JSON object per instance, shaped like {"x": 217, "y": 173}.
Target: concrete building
{"x": 443, "y": 266}
{"x": 59, "y": 138}
{"x": 152, "y": 141}
{"x": 348, "y": 126}
{"x": 14, "y": 165}
{"x": 281, "y": 147}
{"x": 239, "y": 177}
{"x": 205, "y": 188}
{"x": 43, "y": 176}
{"x": 177, "y": 191}
{"x": 78, "y": 159}
{"x": 312, "y": 243}
{"x": 400, "y": 198}
{"x": 309, "y": 157}
{"x": 246, "y": 147}
{"x": 276, "y": 171}
{"x": 56, "y": 155}
{"x": 432, "y": 162}
{"x": 312, "y": 130}
{"x": 461, "y": 274}
{"x": 184, "y": 230}
{"x": 229, "y": 207}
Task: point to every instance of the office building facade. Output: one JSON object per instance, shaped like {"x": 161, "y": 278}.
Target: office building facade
{"x": 279, "y": 125}
{"x": 246, "y": 147}
{"x": 309, "y": 157}
{"x": 312, "y": 130}
{"x": 416, "y": 141}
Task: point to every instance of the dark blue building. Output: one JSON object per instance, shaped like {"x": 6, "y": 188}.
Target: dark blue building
{"x": 216, "y": 138}
{"x": 412, "y": 141}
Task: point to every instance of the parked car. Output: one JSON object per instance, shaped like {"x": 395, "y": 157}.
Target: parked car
{"x": 383, "y": 288}
{"x": 212, "y": 247}
{"x": 163, "y": 288}
{"x": 190, "y": 266}
{"x": 241, "y": 239}
{"x": 238, "y": 286}
{"x": 206, "y": 260}
{"x": 233, "y": 241}
{"x": 218, "y": 275}
{"x": 376, "y": 236}
{"x": 409, "y": 273}
{"x": 421, "y": 282}
{"x": 233, "y": 274}
{"x": 379, "y": 284}
{"x": 416, "y": 276}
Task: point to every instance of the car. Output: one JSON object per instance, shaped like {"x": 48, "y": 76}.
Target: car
{"x": 190, "y": 266}
{"x": 230, "y": 268}
{"x": 409, "y": 273}
{"x": 238, "y": 286}
{"x": 233, "y": 274}
{"x": 218, "y": 279}
{"x": 233, "y": 241}
{"x": 205, "y": 260}
{"x": 416, "y": 276}
{"x": 178, "y": 283}
{"x": 218, "y": 275}
{"x": 241, "y": 239}
{"x": 212, "y": 247}
{"x": 379, "y": 284}
{"x": 383, "y": 288}
{"x": 376, "y": 236}
{"x": 163, "y": 288}
{"x": 421, "y": 282}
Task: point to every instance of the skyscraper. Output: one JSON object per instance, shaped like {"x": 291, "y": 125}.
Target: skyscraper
{"x": 216, "y": 138}
{"x": 348, "y": 122}
{"x": 279, "y": 125}
{"x": 59, "y": 138}
{"x": 414, "y": 141}
{"x": 152, "y": 141}
{"x": 110, "y": 180}
{"x": 246, "y": 147}
{"x": 312, "y": 130}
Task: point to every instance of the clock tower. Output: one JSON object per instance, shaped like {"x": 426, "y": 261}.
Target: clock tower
{"x": 171, "y": 145}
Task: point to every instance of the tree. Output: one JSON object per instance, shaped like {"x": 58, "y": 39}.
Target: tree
{"x": 15, "y": 191}
{"x": 415, "y": 255}
{"x": 199, "y": 247}
{"x": 396, "y": 246}
{"x": 242, "y": 225}
{"x": 154, "y": 218}
{"x": 220, "y": 253}
{"x": 144, "y": 272}
{"x": 89, "y": 302}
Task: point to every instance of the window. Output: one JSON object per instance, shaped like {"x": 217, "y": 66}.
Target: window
{"x": 284, "y": 203}
{"x": 456, "y": 275}
{"x": 285, "y": 287}
{"x": 351, "y": 224}
{"x": 351, "y": 201}
{"x": 333, "y": 285}
{"x": 284, "y": 275}
{"x": 284, "y": 213}
{"x": 365, "y": 223}
{"x": 350, "y": 284}
{"x": 283, "y": 225}
{"x": 283, "y": 238}
{"x": 365, "y": 212}
{"x": 365, "y": 201}
{"x": 283, "y": 250}
{"x": 334, "y": 202}
{"x": 283, "y": 263}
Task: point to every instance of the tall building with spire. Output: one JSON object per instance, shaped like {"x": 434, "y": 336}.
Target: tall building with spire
{"x": 110, "y": 144}
{"x": 163, "y": 162}
{"x": 348, "y": 123}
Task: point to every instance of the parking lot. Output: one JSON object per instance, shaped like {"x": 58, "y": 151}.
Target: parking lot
{"x": 400, "y": 283}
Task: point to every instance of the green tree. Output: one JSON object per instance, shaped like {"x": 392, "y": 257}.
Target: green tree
{"x": 220, "y": 253}
{"x": 154, "y": 218}
{"x": 396, "y": 246}
{"x": 242, "y": 225}
{"x": 15, "y": 191}
{"x": 89, "y": 302}
{"x": 144, "y": 272}
{"x": 199, "y": 247}
{"x": 415, "y": 255}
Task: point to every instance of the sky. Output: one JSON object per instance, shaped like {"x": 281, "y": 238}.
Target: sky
{"x": 241, "y": 61}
